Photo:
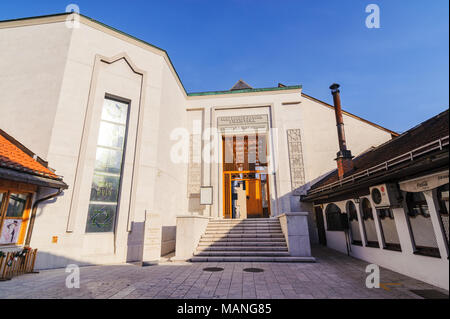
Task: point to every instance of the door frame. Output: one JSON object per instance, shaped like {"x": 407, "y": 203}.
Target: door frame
{"x": 227, "y": 195}
{"x": 320, "y": 223}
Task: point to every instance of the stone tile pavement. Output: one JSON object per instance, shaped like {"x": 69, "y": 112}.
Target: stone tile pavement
{"x": 334, "y": 275}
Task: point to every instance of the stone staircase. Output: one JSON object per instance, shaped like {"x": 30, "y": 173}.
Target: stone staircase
{"x": 259, "y": 240}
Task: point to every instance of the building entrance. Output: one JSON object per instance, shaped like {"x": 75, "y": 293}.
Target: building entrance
{"x": 245, "y": 178}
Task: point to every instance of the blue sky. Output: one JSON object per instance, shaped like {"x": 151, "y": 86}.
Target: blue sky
{"x": 396, "y": 76}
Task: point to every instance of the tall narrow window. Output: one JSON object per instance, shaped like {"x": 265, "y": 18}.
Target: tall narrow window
{"x": 106, "y": 182}
{"x": 369, "y": 224}
{"x": 388, "y": 229}
{"x": 421, "y": 225}
{"x": 354, "y": 224}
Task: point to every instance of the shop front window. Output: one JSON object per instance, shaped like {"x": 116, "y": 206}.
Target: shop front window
{"x": 354, "y": 224}
{"x": 369, "y": 224}
{"x": 442, "y": 193}
{"x": 14, "y": 214}
{"x": 389, "y": 229}
{"x": 422, "y": 229}
{"x": 334, "y": 218}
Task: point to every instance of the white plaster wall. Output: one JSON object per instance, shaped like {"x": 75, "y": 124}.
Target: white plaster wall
{"x": 194, "y": 125}
{"x": 32, "y": 62}
{"x": 171, "y": 178}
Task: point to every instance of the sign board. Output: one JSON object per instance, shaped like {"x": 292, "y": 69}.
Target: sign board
{"x": 206, "y": 195}
{"x": 257, "y": 123}
{"x": 425, "y": 183}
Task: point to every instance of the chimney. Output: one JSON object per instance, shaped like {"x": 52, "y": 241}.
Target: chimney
{"x": 344, "y": 156}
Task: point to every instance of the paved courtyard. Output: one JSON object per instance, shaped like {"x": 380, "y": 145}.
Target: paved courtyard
{"x": 334, "y": 275}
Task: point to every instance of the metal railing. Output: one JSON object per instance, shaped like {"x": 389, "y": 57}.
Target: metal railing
{"x": 406, "y": 157}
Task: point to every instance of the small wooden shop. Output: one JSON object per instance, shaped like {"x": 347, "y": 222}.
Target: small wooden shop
{"x": 23, "y": 178}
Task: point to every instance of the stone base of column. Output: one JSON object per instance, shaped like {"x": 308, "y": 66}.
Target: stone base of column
{"x": 152, "y": 239}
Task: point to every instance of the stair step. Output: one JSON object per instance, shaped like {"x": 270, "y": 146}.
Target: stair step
{"x": 241, "y": 227}
{"x": 274, "y": 222}
{"x": 243, "y": 235}
{"x": 243, "y": 253}
{"x": 242, "y": 248}
{"x": 242, "y": 240}
{"x": 242, "y": 232}
{"x": 244, "y": 225}
{"x": 280, "y": 243}
{"x": 251, "y": 259}
{"x": 258, "y": 240}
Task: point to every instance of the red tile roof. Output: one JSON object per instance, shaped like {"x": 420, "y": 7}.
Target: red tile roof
{"x": 15, "y": 156}
{"x": 431, "y": 130}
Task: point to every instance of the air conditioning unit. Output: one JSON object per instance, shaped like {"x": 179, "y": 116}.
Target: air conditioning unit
{"x": 385, "y": 195}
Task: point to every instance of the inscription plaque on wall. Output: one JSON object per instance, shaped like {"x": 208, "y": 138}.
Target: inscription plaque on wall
{"x": 194, "y": 168}
{"x": 296, "y": 159}
{"x": 258, "y": 122}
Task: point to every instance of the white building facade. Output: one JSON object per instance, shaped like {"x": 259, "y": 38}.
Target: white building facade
{"x": 110, "y": 114}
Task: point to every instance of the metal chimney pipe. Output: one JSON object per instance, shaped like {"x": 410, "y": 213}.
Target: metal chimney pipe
{"x": 338, "y": 112}
{"x": 344, "y": 156}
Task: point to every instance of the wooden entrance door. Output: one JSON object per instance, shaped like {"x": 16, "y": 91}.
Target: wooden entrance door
{"x": 254, "y": 198}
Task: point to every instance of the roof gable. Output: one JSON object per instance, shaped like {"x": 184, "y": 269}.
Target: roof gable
{"x": 240, "y": 85}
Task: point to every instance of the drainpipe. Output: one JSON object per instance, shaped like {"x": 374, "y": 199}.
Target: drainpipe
{"x": 33, "y": 214}
{"x": 344, "y": 156}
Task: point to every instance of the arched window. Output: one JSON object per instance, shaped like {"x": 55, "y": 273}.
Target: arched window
{"x": 354, "y": 224}
{"x": 369, "y": 224}
{"x": 333, "y": 215}
{"x": 351, "y": 210}
{"x": 366, "y": 209}
{"x": 418, "y": 216}
{"x": 442, "y": 194}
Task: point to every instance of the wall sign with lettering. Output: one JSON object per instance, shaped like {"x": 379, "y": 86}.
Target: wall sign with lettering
{"x": 258, "y": 122}
{"x": 425, "y": 183}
